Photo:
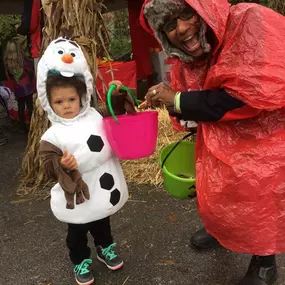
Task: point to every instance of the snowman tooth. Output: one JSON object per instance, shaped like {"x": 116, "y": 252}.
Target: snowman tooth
{"x": 66, "y": 73}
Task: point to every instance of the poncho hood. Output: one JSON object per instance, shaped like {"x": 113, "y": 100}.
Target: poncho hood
{"x": 65, "y": 57}
{"x": 156, "y": 12}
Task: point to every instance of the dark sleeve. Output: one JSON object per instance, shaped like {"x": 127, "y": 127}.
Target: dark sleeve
{"x": 213, "y": 106}
{"x": 24, "y": 28}
{"x": 3, "y": 76}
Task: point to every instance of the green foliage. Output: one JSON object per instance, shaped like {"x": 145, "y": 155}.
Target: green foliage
{"x": 277, "y": 5}
{"x": 7, "y": 27}
{"x": 120, "y": 46}
{"x": 119, "y": 28}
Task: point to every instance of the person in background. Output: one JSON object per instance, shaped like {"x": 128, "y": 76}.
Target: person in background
{"x": 31, "y": 26}
{"x": 228, "y": 75}
{"x": 4, "y": 96}
{"x": 3, "y": 138}
{"x": 20, "y": 79}
{"x": 2, "y": 66}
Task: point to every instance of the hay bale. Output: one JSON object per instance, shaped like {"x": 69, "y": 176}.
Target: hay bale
{"x": 147, "y": 170}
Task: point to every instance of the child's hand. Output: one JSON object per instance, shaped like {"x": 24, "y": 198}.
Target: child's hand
{"x": 68, "y": 161}
{"x": 122, "y": 102}
{"x": 119, "y": 85}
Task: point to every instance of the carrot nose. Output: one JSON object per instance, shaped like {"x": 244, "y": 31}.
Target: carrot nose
{"x": 67, "y": 58}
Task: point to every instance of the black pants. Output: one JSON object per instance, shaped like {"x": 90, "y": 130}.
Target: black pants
{"x": 77, "y": 238}
{"x": 22, "y": 103}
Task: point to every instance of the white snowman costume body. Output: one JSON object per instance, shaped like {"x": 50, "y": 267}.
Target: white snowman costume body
{"x": 84, "y": 137}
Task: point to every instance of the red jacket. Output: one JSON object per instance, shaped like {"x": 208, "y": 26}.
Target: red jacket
{"x": 35, "y": 29}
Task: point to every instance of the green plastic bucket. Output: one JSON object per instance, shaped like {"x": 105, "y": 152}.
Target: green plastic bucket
{"x": 178, "y": 162}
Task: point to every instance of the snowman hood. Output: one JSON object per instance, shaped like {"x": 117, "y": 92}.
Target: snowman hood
{"x": 65, "y": 57}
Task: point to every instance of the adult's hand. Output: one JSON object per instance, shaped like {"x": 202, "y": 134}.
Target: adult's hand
{"x": 160, "y": 94}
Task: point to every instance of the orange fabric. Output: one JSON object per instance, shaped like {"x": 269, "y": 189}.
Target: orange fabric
{"x": 241, "y": 163}
{"x": 122, "y": 71}
{"x": 67, "y": 58}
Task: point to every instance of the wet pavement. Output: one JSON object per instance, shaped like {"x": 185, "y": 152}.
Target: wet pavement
{"x": 152, "y": 232}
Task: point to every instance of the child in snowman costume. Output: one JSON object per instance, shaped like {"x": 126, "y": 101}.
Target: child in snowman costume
{"x": 76, "y": 154}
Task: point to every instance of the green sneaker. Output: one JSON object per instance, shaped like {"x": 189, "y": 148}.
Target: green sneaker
{"x": 82, "y": 272}
{"x": 109, "y": 257}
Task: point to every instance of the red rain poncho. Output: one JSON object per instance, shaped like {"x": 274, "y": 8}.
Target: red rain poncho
{"x": 241, "y": 163}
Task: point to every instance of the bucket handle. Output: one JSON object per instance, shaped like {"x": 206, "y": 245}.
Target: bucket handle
{"x": 174, "y": 147}
{"x": 109, "y": 97}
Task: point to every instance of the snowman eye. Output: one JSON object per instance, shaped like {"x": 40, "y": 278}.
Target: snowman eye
{"x": 73, "y": 53}
{"x": 59, "y": 50}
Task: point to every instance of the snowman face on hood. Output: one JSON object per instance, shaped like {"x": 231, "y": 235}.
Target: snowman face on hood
{"x": 66, "y": 58}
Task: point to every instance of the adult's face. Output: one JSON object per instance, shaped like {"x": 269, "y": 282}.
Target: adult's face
{"x": 183, "y": 32}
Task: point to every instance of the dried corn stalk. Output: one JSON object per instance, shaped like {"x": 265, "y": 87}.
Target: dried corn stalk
{"x": 33, "y": 176}
{"x": 83, "y": 21}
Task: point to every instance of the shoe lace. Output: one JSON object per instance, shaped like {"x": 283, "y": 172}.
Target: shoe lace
{"x": 83, "y": 267}
{"x": 109, "y": 251}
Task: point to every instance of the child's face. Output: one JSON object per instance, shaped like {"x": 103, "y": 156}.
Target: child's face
{"x": 65, "y": 102}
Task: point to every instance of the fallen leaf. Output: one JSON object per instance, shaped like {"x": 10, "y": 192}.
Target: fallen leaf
{"x": 171, "y": 218}
{"x": 166, "y": 262}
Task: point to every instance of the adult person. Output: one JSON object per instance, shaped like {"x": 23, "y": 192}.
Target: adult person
{"x": 228, "y": 75}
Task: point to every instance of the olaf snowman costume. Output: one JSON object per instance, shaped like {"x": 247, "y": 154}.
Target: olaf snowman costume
{"x": 84, "y": 137}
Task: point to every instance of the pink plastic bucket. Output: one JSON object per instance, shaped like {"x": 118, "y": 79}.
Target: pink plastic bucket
{"x": 132, "y": 136}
